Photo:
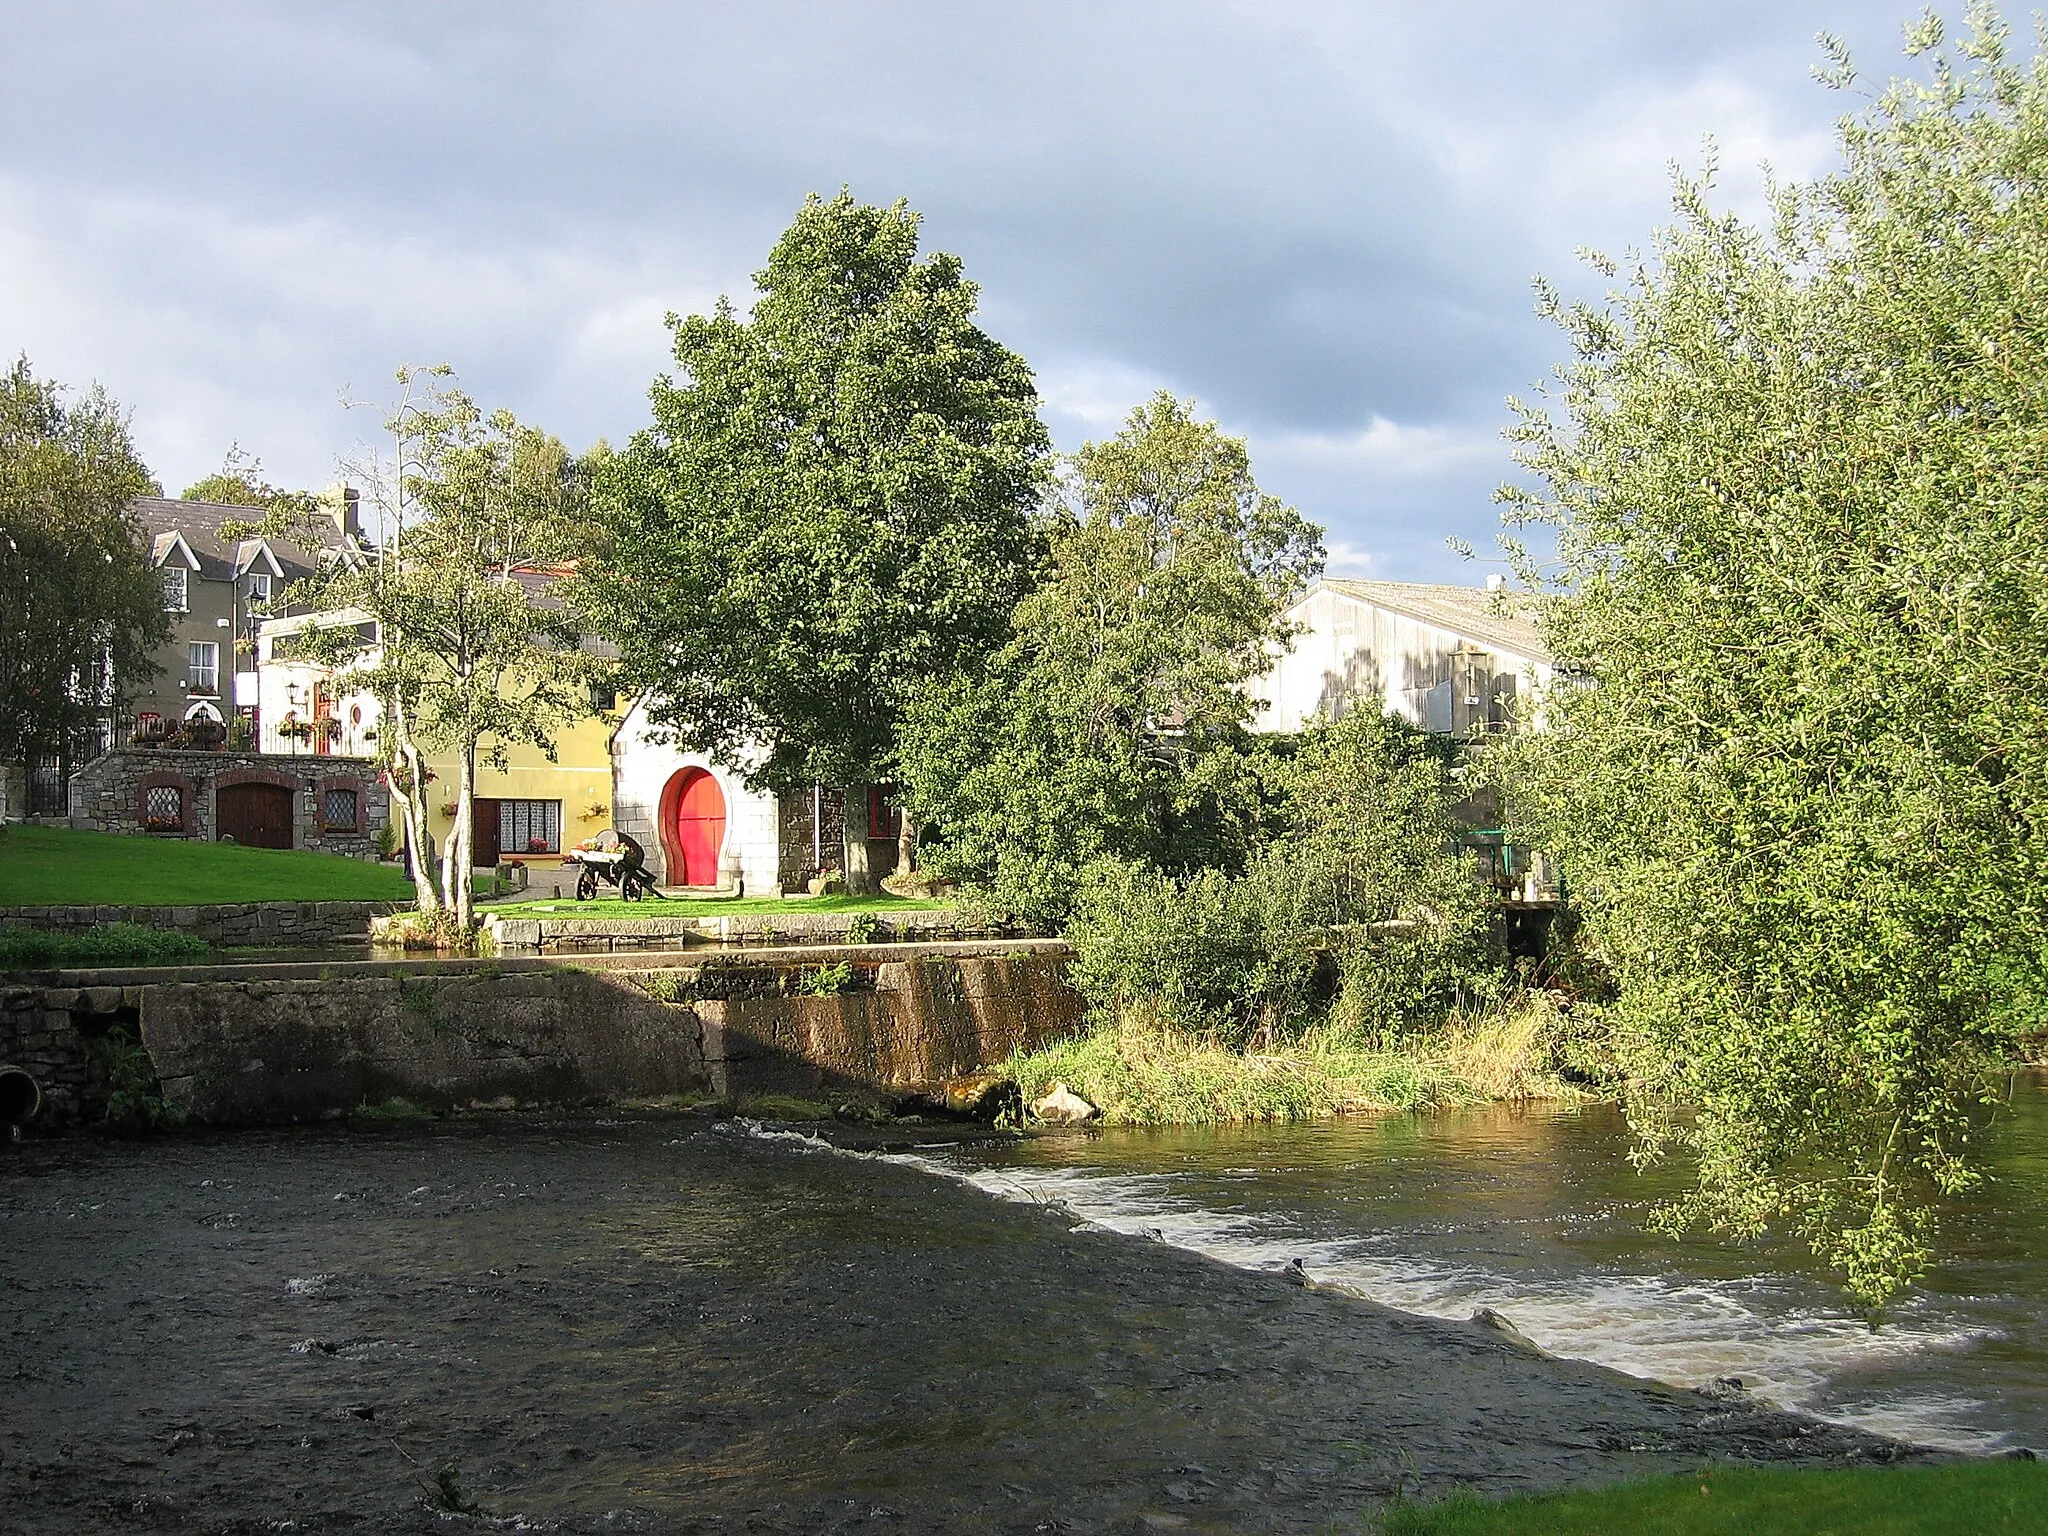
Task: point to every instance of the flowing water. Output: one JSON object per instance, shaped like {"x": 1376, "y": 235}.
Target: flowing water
{"x": 1535, "y": 1212}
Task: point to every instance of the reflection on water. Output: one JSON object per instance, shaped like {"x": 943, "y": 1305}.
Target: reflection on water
{"x": 1536, "y": 1213}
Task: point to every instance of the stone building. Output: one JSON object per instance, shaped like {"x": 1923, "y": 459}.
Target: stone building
{"x": 332, "y": 804}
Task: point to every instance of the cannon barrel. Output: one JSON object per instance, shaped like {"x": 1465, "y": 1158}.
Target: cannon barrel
{"x": 20, "y": 1097}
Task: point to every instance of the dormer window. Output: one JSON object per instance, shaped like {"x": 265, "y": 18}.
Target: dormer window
{"x": 259, "y": 587}
{"x": 175, "y": 598}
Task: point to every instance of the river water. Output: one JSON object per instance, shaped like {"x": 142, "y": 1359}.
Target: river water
{"x": 1536, "y": 1212}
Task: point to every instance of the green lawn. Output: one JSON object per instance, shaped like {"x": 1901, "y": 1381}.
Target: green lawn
{"x": 1976, "y": 1498}
{"x": 699, "y": 906}
{"x": 54, "y": 866}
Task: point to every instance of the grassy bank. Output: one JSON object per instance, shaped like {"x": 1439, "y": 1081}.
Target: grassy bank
{"x": 1138, "y": 1074}
{"x": 1963, "y": 1499}
{"x": 57, "y": 867}
{"x": 613, "y": 909}
{"x": 104, "y": 944}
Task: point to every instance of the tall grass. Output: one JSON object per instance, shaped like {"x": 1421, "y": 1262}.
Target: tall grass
{"x": 1139, "y": 1072}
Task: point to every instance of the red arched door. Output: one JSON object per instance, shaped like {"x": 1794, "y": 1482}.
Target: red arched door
{"x": 693, "y": 827}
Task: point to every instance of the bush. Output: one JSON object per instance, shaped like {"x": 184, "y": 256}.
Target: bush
{"x": 135, "y": 1100}
{"x": 105, "y": 944}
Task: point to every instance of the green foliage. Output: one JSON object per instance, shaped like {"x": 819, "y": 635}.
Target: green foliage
{"x": 1360, "y": 887}
{"x": 782, "y": 1106}
{"x": 239, "y": 482}
{"x": 135, "y": 1101}
{"x": 1112, "y": 723}
{"x": 1139, "y": 1074}
{"x": 80, "y": 607}
{"x": 1796, "y": 478}
{"x": 833, "y": 504}
{"x": 1958, "y": 1499}
{"x": 478, "y": 510}
{"x": 420, "y": 998}
{"x": 822, "y": 980}
{"x": 102, "y": 944}
{"x": 861, "y": 928}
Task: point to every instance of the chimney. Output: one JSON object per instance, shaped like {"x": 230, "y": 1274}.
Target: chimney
{"x": 1495, "y": 582}
{"x": 342, "y": 503}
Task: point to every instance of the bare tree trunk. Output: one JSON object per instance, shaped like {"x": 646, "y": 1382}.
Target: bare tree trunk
{"x": 463, "y": 892}
{"x": 419, "y": 843}
{"x": 854, "y": 817}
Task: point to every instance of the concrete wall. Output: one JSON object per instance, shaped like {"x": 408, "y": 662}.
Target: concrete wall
{"x": 255, "y": 1050}
{"x": 1355, "y": 652}
{"x": 267, "y": 924}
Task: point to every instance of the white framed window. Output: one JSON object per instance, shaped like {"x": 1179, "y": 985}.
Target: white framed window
{"x": 259, "y": 586}
{"x": 175, "y": 600}
{"x": 202, "y": 672}
{"x": 529, "y": 826}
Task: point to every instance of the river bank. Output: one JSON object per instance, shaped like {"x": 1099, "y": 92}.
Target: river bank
{"x": 657, "y": 1324}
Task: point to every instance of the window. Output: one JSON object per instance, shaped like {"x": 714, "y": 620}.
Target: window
{"x": 259, "y": 587}
{"x": 603, "y": 695}
{"x": 203, "y": 669}
{"x": 529, "y": 826}
{"x": 338, "y": 811}
{"x": 174, "y": 589}
{"x": 163, "y": 808}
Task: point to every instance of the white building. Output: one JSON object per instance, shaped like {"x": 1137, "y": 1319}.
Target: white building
{"x": 1450, "y": 659}
{"x": 697, "y": 820}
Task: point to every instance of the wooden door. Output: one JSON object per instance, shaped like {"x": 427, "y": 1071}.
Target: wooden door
{"x": 484, "y": 824}
{"x": 256, "y": 815}
{"x": 699, "y": 828}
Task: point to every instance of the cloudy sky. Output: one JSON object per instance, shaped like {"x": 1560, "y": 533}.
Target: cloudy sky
{"x": 1320, "y": 219}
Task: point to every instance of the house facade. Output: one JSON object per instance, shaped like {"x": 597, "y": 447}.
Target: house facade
{"x": 215, "y": 589}
{"x": 1449, "y": 659}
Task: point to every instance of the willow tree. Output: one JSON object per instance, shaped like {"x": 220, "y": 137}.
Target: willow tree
{"x": 1798, "y": 480}
{"x": 831, "y": 509}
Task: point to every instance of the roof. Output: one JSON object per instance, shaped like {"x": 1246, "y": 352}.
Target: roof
{"x": 198, "y": 523}
{"x": 1502, "y": 619}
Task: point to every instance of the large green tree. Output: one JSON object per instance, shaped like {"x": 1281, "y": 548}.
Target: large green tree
{"x": 80, "y": 608}
{"x": 831, "y": 509}
{"x": 1798, "y": 479}
{"x": 1113, "y": 722}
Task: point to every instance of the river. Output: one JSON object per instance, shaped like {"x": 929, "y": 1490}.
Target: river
{"x": 1535, "y": 1212}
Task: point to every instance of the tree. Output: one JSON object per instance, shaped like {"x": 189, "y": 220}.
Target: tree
{"x": 482, "y": 518}
{"x": 79, "y": 605}
{"x": 239, "y": 482}
{"x": 1359, "y": 888}
{"x": 1113, "y": 722}
{"x": 832, "y": 507}
{"x": 1798, "y": 479}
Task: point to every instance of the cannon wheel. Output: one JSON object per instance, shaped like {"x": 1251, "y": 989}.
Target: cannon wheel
{"x": 629, "y": 887}
{"x": 586, "y": 884}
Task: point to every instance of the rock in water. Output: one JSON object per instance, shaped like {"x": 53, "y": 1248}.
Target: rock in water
{"x": 1062, "y": 1106}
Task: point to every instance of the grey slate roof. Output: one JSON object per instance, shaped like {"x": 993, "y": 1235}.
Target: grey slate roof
{"x": 1503, "y": 619}
{"x": 199, "y": 521}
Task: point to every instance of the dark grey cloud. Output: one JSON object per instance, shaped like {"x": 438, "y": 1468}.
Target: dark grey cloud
{"x": 1319, "y": 219}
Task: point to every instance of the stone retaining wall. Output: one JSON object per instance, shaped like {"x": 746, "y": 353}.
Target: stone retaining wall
{"x": 234, "y": 1051}
{"x": 265, "y": 924}
{"x": 570, "y": 934}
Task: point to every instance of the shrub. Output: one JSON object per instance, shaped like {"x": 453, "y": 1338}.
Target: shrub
{"x": 105, "y": 944}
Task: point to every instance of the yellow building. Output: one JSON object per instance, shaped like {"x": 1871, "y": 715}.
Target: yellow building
{"x": 531, "y": 809}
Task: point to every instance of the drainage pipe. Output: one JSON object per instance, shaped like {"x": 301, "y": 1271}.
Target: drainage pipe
{"x": 20, "y": 1097}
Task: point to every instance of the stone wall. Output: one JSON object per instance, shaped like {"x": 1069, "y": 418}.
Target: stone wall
{"x": 264, "y": 924}
{"x": 109, "y": 794}
{"x": 47, "y": 1032}
{"x": 259, "y": 1051}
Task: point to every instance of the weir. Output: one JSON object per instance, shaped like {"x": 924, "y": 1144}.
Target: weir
{"x": 260, "y": 1044}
